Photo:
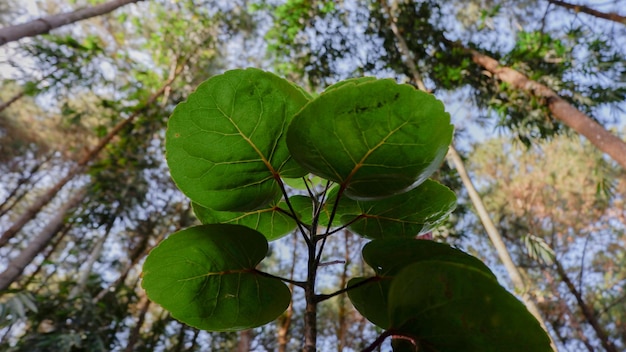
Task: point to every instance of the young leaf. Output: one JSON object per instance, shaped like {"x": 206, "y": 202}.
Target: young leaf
{"x": 226, "y": 144}
{"x": 450, "y": 306}
{"x": 271, "y": 221}
{"x": 388, "y": 257}
{"x": 376, "y": 138}
{"x": 403, "y": 215}
{"x": 205, "y": 276}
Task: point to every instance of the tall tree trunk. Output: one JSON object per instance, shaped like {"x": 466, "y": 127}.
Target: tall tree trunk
{"x": 134, "y": 333}
{"x": 587, "y": 311}
{"x": 46, "y": 24}
{"x": 18, "y": 264}
{"x": 496, "y": 240}
{"x": 245, "y": 341}
{"x": 560, "y": 109}
{"x": 41, "y": 283}
{"x": 95, "y": 254}
{"x": 611, "y": 16}
{"x": 13, "y": 197}
{"x": 490, "y": 228}
{"x": 45, "y": 198}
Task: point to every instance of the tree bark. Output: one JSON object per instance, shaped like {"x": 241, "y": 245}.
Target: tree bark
{"x": 13, "y": 197}
{"x": 496, "y": 240}
{"x": 45, "y": 198}
{"x": 560, "y": 109}
{"x": 135, "y": 332}
{"x": 611, "y": 16}
{"x": 46, "y": 24}
{"x": 95, "y": 254}
{"x": 489, "y": 226}
{"x": 245, "y": 341}
{"x": 18, "y": 264}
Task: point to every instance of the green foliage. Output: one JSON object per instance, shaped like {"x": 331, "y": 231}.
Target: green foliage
{"x": 206, "y": 277}
{"x": 371, "y": 131}
{"x": 226, "y": 143}
{"x": 366, "y": 148}
{"x": 448, "y": 306}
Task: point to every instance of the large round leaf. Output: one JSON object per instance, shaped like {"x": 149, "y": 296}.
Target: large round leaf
{"x": 450, "y": 307}
{"x": 374, "y": 137}
{"x": 388, "y": 257}
{"x": 403, "y": 215}
{"x": 272, "y": 220}
{"x": 205, "y": 276}
{"x": 226, "y": 144}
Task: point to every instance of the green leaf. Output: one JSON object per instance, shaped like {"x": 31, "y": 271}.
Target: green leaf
{"x": 376, "y": 138}
{"x": 350, "y": 81}
{"x": 404, "y": 215}
{"x": 388, "y": 257}
{"x": 205, "y": 276}
{"x": 226, "y": 144}
{"x": 449, "y": 306}
{"x": 271, "y": 221}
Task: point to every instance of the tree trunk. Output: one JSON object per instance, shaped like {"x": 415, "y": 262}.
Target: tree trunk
{"x": 134, "y": 333}
{"x": 17, "y": 265}
{"x": 95, "y": 254}
{"x": 13, "y": 197}
{"x": 560, "y": 109}
{"x": 46, "y": 24}
{"x": 45, "y": 198}
{"x": 496, "y": 240}
{"x": 490, "y": 228}
{"x": 611, "y": 16}
{"x": 24, "y": 285}
{"x": 245, "y": 341}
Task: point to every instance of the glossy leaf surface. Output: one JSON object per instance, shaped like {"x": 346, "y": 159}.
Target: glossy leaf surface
{"x": 272, "y": 221}
{"x": 205, "y": 276}
{"x": 376, "y": 138}
{"x": 226, "y": 144}
{"x": 450, "y": 306}
{"x": 388, "y": 257}
{"x": 403, "y": 215}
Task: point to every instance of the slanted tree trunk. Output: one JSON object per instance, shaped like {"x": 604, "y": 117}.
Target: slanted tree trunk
{"x": 18, "y": 264}
{"x": 45, "y": 198}
{"x": 611, "y": 16}
{"x": 16, "y": 193}
{"x": 46, "y": 24}
{"x": 496, "y": 240}
{"x": 95, "y": 254}
{"x": 560, "y": 109}
{"x": 493, "y": 233}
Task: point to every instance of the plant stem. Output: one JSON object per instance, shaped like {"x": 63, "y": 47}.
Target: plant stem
{"x": 310, "y": 314}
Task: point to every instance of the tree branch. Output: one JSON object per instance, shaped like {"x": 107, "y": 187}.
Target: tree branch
{"x": 611, "y": 16}
{"x": 46, "y": 24}
{"x": 560, "y": 109}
